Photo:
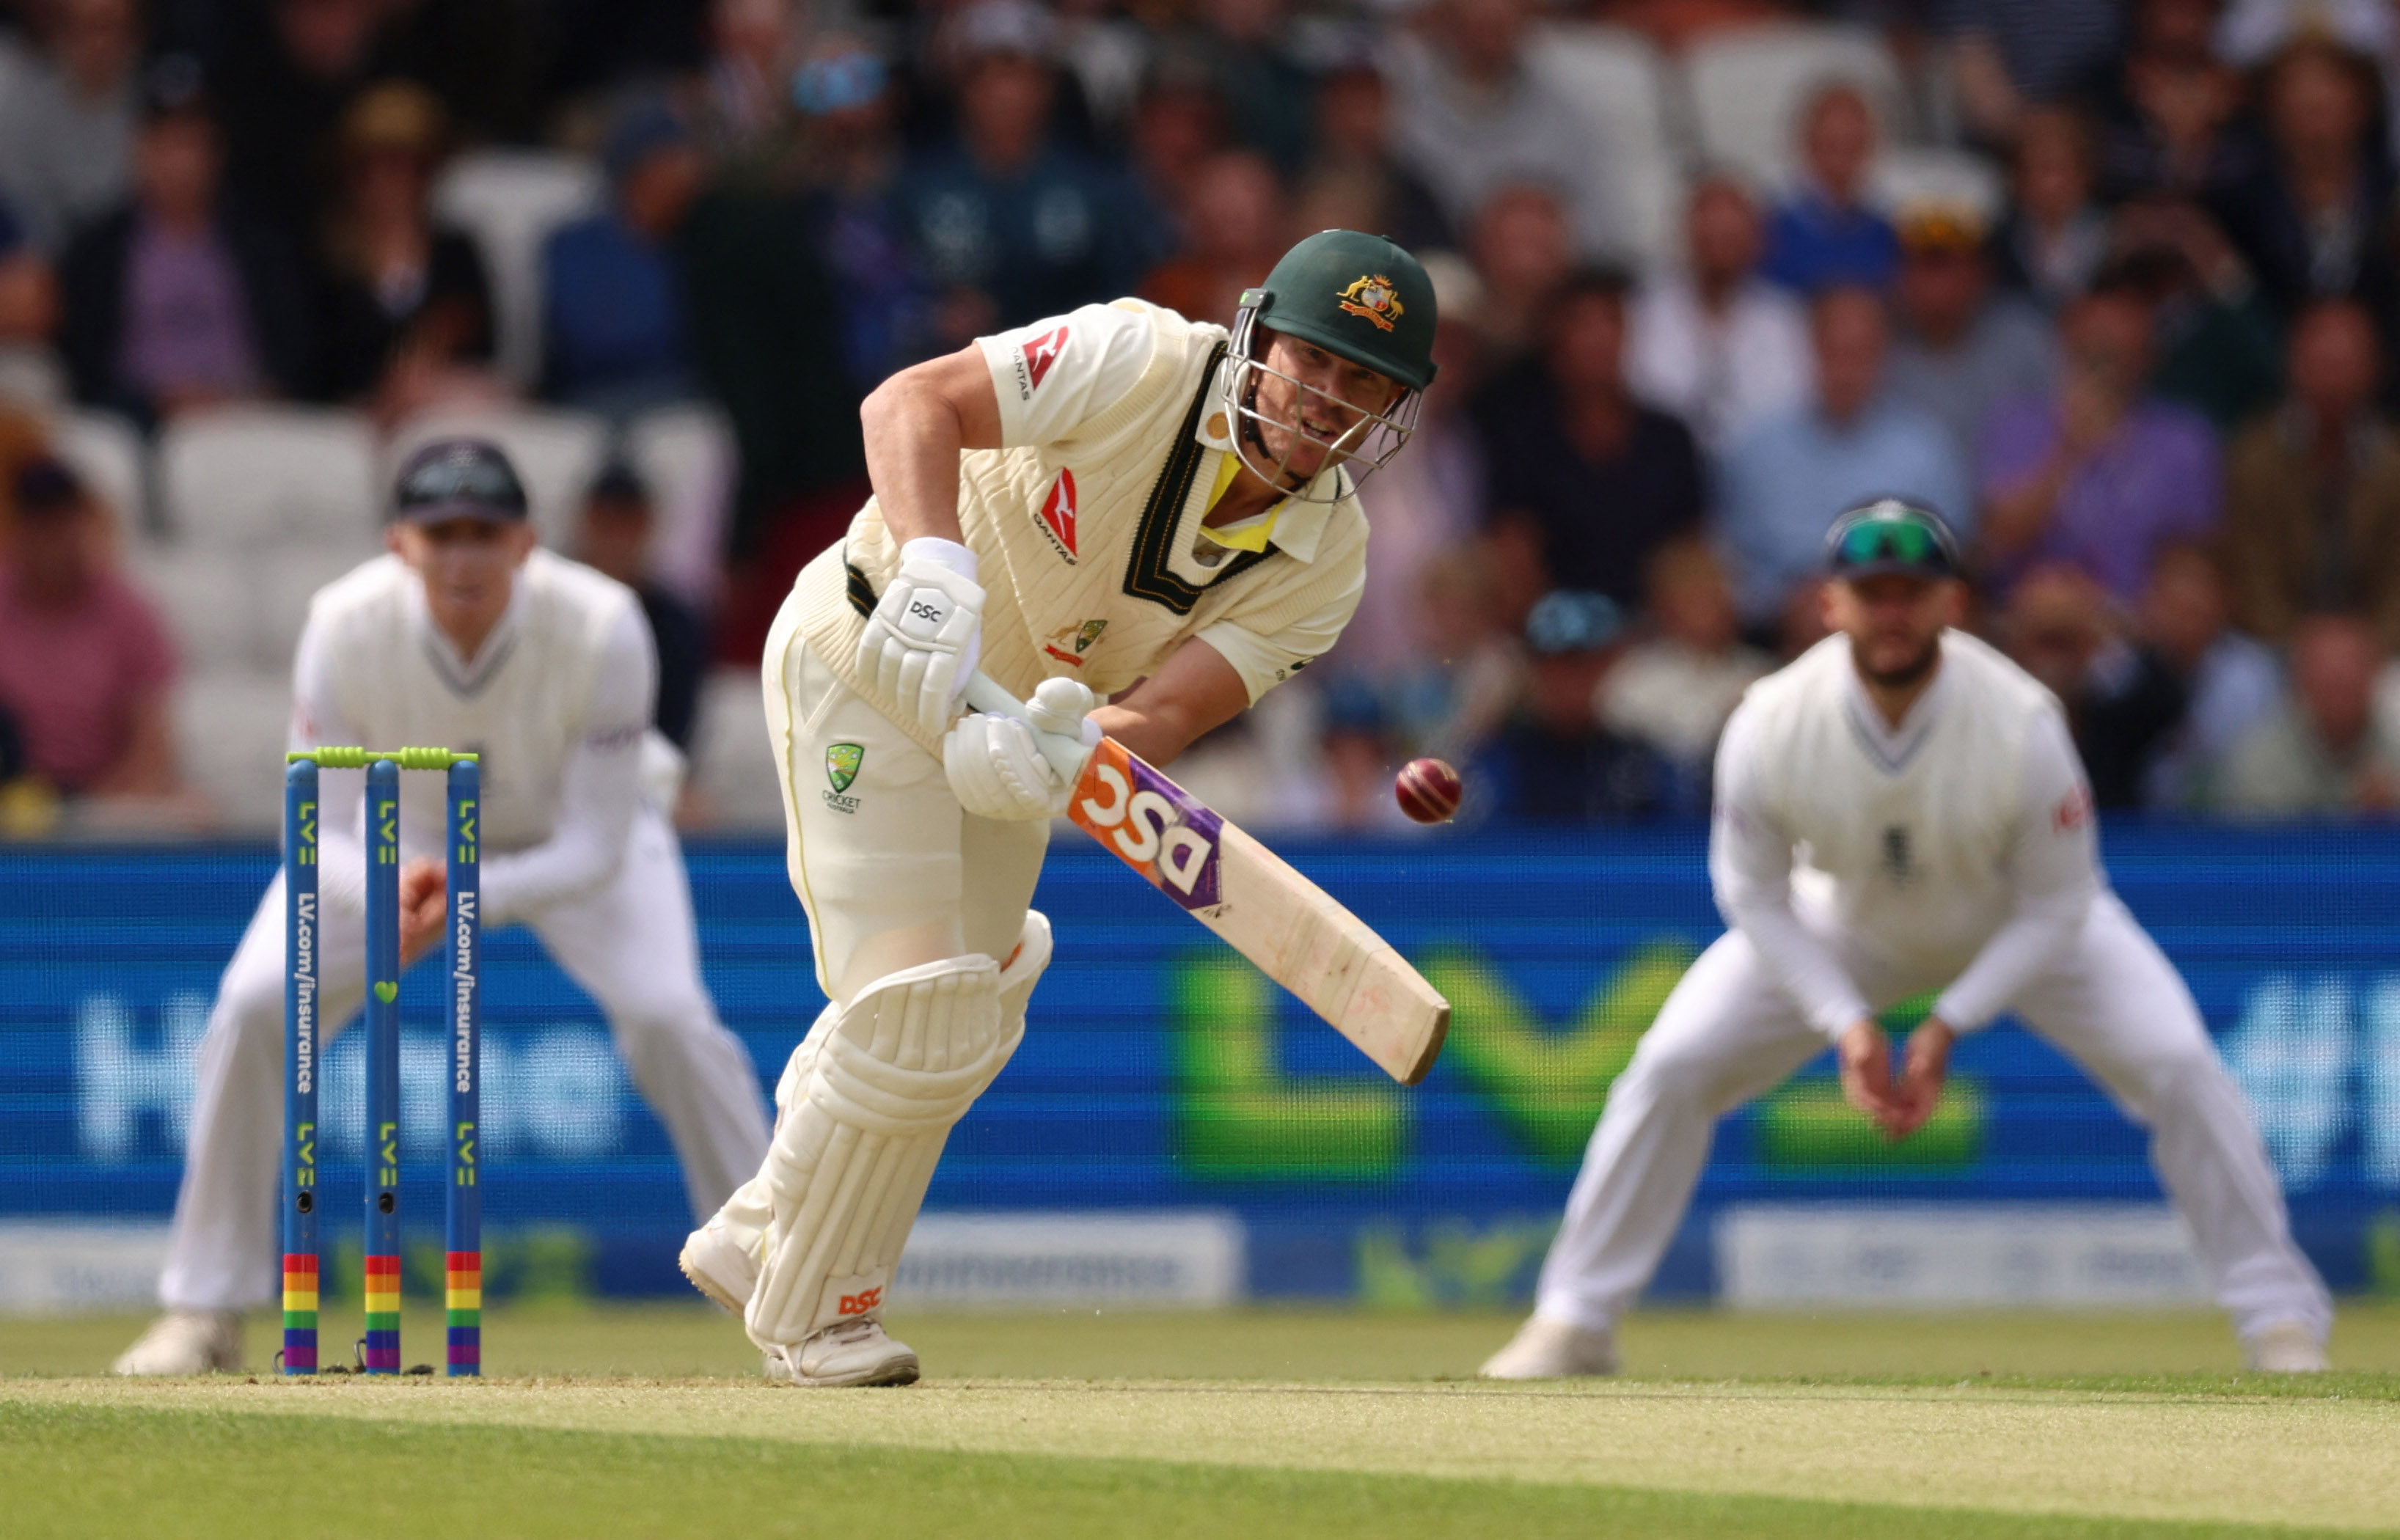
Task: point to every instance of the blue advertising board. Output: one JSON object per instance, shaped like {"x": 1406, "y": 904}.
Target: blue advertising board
{"x": 1159, "y": 1072}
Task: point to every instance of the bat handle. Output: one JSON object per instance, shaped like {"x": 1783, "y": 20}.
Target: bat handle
{"x": 984, "y": 696}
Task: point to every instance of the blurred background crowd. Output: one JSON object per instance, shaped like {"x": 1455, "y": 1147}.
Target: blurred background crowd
{"x": 2114, "y": 286}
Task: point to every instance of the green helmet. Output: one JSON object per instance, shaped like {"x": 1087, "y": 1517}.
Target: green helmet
{"x": 1360, "y": 296}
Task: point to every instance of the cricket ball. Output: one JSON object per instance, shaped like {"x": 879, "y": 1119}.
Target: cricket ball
{"x": 1427, "y": 790}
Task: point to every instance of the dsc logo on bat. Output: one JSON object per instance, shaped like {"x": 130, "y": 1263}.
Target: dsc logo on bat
{"x": 1151, "y": 825}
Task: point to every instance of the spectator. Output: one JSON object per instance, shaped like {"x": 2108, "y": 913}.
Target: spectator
{"x": 752, "y": 45}
{"x": 850, "y": 156}
{"x": 2323, "y": 751}
{"x": 619, "y": 518}
{"x": 408, "y": 311}
{"x": 2008, "y": 57}
{"x": 1177, "y": 123}
{"x": 2313, "y": 492}
{"x": 1268, "y": 94}
{"x": 1238, "y": 227}
{"x": 1424, "y": 507}
{"x": 283, "y": 74}
{"x": 2169, "y": 114}
{"x": 2231, "y": 682}
{"x": 1355, "y": 182}
{"x": 1019, "y": 226}
{"x": 66, "y": 124}
{"x": 1785, "y": 479}
{"x": 176, "y": 300}
{"x": 613, "y": 321}
{"x": 1524, "y": 249}
{"x": 2055, "y": 238}
{"x": 1714, "y": 342}
{"x": 1825, "y": 234}
{"x": 2123, "y": 703}
{"x": 1472, "y": 670}
{"x": 1554, "y": 762}
{"x": 1675, "y": 689}
{"x": 1354, "y": 738}
{"x": 1959, "y": 352}
{"x": 2310, "y": 220}
{"x": 85, "y": 664}
{"x": 1581, "y": 478}
{"x": 1480, "y": 118}
{"x": 2217, "y": 338}
{"x": 2100, "y": 474}
{"x": 29, "y": 295}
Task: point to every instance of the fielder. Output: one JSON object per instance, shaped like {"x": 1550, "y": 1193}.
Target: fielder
{"x": 464, "y": 636}
{"x": 1116, "y": 505}
{"x": 1899, "y": 810}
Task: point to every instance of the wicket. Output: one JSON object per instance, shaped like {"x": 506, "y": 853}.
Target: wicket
{"x": 304, "y": 1041}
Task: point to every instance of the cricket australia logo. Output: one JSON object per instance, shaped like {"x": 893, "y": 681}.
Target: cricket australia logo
{"x": 1077, "y": 637}
{"x": 1373, "y": 298}
{"x": 842, "y": 762}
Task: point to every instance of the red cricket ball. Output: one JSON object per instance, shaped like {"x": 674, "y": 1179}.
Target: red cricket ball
{"x": 1427, "y": 790}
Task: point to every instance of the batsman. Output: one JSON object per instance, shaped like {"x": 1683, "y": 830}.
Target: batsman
{"x": 1140, "y": 524}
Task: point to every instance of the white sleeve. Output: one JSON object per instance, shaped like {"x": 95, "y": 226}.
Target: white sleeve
{"x": 1057, "y": 375}
{"x": 318, "y": 721}
{"x": 2054, "y": 868}
{"x": 600, "y": 787}
{"x": 1750, "y": 866}
{"x": 1266, "y": 661}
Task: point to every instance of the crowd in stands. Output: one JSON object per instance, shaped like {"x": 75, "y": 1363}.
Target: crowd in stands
{"x": 2113, "y": 285}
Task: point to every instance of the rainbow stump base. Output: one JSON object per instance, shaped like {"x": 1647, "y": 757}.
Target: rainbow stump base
{"x": 299, "y": 1315}
{"x": 382, "y": 1350}
{"x": 463, "y": 1302}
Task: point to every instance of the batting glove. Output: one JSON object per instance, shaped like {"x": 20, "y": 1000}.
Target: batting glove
{"x": 1004, "y": 770}
{"x": 926, "y": 635}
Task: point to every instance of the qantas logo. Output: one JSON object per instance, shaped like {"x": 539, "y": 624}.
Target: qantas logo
{"x": 1058, "y": 514}
{"x": 1039, "y": 354}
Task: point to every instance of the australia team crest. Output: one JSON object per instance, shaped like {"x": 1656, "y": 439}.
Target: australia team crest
{"x": 843, "y": 762}
{"x": 1374, "y": 299}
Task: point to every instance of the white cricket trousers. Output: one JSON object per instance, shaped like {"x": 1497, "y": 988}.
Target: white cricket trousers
{"x": 893, "y": 872}
{"x": 2114, "y": 1005}
{"x": 629, "y": 945}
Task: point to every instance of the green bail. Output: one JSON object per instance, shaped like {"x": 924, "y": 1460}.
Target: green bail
{"x": 407, "y": 760}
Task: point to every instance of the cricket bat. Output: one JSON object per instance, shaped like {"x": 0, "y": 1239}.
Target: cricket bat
{"x": 1295, "y": 930}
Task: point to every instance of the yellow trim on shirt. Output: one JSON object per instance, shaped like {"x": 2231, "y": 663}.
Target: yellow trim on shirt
{"x": 1250, "y": 534}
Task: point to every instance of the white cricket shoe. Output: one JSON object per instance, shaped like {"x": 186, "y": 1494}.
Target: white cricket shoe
{"x": 1552, "y": 1349}
{"x": 719, "y": 1265}
{"x": 2286, "y": 1347}
{"x": 855, "y": 1353}
{"x": 187, "y": 1341}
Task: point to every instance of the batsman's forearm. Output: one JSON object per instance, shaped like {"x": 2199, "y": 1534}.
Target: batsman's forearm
{"x": 913, "y": 437}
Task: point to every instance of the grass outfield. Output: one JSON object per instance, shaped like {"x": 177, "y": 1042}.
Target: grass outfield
{"x": 651, "y": 1422}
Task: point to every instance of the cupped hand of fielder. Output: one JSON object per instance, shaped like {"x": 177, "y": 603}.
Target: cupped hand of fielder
{"x": 1926, "y": 1067}
{"x": 424, "y": 903}
{"x": 1899, "y": 1106}
{"x": 1866, "y": 1054}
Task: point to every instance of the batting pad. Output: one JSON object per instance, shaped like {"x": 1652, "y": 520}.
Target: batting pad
{"x": 750, "y": 1211}
{"x": 852, "y": 1155}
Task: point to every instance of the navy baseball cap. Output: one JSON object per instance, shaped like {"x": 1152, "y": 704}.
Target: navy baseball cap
{"x": 458, "y": 479}
{"x": 1890, "y": 535}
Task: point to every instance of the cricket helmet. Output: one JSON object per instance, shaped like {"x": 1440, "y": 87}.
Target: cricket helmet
{"x": 1360, "y": 298}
